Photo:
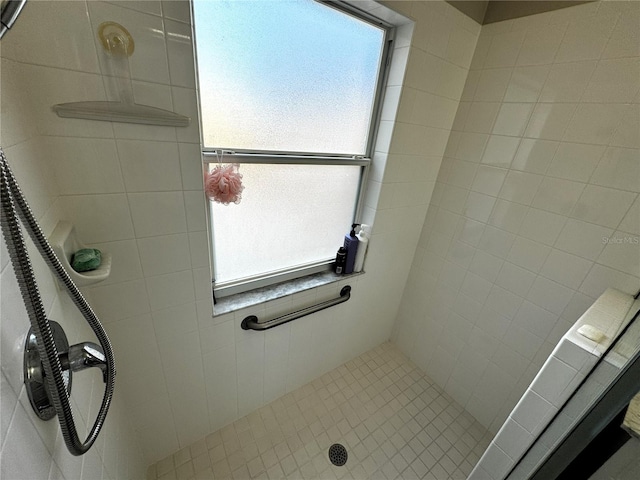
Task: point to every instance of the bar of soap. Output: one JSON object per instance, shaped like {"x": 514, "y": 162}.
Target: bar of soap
{"x": 86, "y": 259}
{"x": 592, "y": 333}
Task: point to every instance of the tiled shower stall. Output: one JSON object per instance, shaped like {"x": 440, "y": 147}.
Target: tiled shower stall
{"x": 504, "y": 183}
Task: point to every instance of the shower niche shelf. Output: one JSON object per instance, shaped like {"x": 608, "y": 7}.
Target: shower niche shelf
{"x": 65, "y": 243}
{"x": 124, "y": 112}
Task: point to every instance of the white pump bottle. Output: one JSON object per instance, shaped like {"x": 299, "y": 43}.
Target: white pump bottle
{"x": 363, "y": 237}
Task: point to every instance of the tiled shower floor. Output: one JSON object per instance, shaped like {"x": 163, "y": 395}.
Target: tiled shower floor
{"x": 393, "y": 420}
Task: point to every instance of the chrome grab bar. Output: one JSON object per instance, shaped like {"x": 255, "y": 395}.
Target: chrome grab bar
{"x": 251, "y": 322}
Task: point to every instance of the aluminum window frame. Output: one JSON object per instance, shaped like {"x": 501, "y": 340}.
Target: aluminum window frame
{"x": 266, "y": 157}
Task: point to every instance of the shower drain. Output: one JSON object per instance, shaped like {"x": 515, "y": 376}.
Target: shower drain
{"x": 338, "y": 454}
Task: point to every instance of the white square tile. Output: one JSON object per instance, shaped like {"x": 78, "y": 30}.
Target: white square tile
{"x": 470, "y": 86}
{"x": 476, "y": 288}
{"x": 586, "y": 39}
{"x": 479, "y": 206}
{"x": 486, "y": 265}
{"x": 176, "y": 10}
{"x": 528, "y": 254}
{"x": 508, "y": 215}
{"x": 619, "y": 168}
{"x": 534, "y": 156}
{"x": 550, "y": 120}
{"x": 144, "y": 6}
{"x": 481, "y": 116}
{"x": 482, "y": 48}
{"x": 18, "y": 125}
{"x": 626, "y": 134}
{"x": 461, "y": 47}
{"x": 535, "y": 319}
{"x": 21, "y": 435}
{"x": 72, "y": 52}
{"x": 513, "y": 439}
{"x": 541, "y": 226}
{"x": 624, "y": 39}
{"x": 602, "y": 206}
{"x": 180, "y": 54}
{"x": 557, "y": 195}
{"x": 170, "y": 290}
{"x": 185, "y": 103}
{"x": 196, "y": 211}
{"x": 512, "y": 119}
{"x": 541, "y": 44}
{"x": 567, "y": 269}
{"x": 471, "y": 146}
{"x": 594, "y": 123}
{"x": 522, "y": 341}
{"x": 583, "y": 239}
{"x": 455, "y": 198}
{"x": 119, "y": 301}
{"x": 217, "y": 336}
{"x": 631, "y": 221}
{"x": 150, "y": 166}
{"x": 504, "y": 49}
{"x": 530, "y": 410}
{"x": 469, "y": 231}
{"x": 601, "y": 277}
{"x": 488, "y": 180}
{"x": 575, "y": 161}
{"x": 526, "y": 83}
{"x": 164, "y": 254}
{"x": 520, "y": 187}
{"x": 158, "y": 213}
{"x": 174, "y": 321}
{"x": 492, "y": 85}
{"x": 553, "y": 296}
{"x": 511, "y": 362}
{"x": 98, "y": 218}
{"x": 552, "y": 381}
{"x": 500, "y": 151}
{"x": 504, "y": 302}
{"x": 496, "y": 241}
{"x": 85, "y": 166}
{"x": 567, "y": 81}
{"x": 614, "y": 81}
{"x": 515, "y": 279}
{"x": 621, "y": 253}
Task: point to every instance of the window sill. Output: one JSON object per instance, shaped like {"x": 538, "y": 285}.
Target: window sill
{"x": 260, "y": 295}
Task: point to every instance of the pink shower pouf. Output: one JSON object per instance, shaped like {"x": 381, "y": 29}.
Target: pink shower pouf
{"x": 224, "y": 184}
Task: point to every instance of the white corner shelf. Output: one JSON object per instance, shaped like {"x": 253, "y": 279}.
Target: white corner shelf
{"x": 65, "y": 243}
{"x": 121, "y": 112}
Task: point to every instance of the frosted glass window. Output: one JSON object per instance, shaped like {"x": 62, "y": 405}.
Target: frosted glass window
{"x": 285, "y": 76}
{"x": 289, "y": 216}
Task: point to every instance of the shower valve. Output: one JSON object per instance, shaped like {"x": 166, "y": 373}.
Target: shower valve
{"x": 82, "y": 356}
{"x": 72, "y": 359}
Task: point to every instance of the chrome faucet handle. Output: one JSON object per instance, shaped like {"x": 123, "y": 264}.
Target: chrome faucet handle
{"x": 84, "y": 355}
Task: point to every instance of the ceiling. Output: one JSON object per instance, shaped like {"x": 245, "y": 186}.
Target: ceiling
{"x": 484, "y": 11}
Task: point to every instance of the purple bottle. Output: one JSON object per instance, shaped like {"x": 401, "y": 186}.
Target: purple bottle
{"x": 351, "y": 244}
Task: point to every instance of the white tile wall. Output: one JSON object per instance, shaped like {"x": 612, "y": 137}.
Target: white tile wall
{"x": 148, "y": 210}
{"x": 535, "y": 185}
{"x": 29, "y": 447}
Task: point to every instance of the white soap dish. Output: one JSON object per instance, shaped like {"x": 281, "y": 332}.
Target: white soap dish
{"x": 65, "y": 243}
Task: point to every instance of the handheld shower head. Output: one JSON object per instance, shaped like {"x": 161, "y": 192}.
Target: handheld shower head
{"x": 9, "y": 11}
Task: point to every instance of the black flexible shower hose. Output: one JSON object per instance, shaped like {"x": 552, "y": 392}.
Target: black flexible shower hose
{"x": 14, "y": 205}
